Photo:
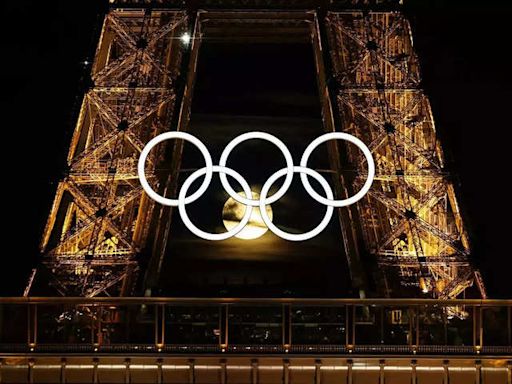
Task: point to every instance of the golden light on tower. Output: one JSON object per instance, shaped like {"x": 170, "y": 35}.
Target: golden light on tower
{"x": 233, "y": 212}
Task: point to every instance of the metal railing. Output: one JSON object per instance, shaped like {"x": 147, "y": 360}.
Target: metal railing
{"x": 263, "y": 326}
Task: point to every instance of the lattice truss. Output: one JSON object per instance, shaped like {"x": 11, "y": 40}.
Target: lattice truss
{"x": 99, "y": 218}
{"x": 410, "y": 218}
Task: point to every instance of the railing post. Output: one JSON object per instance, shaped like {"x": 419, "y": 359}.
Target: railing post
{"x": 127, "y": 373}
{"x": 481, "y": 328}
{"x": 382, "y": 364}
{"x": 445, "y": 325}
{"x": 159, "y": 326}
{"x": 353, "y": 328}
{"x": 254, "y": 371}
{"x": 223, "y": 372}
{"x": 191, "y": 371}
{"x": 509, "y": 324}
{"x": 95, "y": 363}
{"x": 287, "y": 326}
{"x": 96, "y": 327}
{"x": 478, "y": 372}
{"x": 160, "y": 371}
{"x": 414, "y": 377}
{"x": 30, "y": 372}
{"x": 347, "y": 326}
{"x": 350, "y": 364}
{"x": 224, "y": 326}
{"x": 381, "y": 328}
{"x": 477, "y": 328}
{"x": 286, "y": 371}
{"x": 417, "y": 325}
{"x": 446, "y": 373}
{"x": 63, "y": 370}
{"x": 32, "y": 326}
{"x": 318, "y": 371}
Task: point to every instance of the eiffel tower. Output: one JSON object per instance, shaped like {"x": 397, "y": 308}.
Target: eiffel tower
{"x": 406, "y": 235}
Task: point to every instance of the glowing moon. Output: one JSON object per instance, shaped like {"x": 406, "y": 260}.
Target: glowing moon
{"x": 233, "y": 212}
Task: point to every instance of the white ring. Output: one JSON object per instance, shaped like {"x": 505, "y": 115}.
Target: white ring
{"x": 289, "y": 167}
{"x": 183, "y": 211}
{"x": 292, "y": 236}
{"x": 369, "y": 159}
{"x": 167, "y": 136}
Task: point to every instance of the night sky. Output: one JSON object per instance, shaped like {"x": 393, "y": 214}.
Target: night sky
{"x": 242, "y": 87}
{"x": 463, "y": 48}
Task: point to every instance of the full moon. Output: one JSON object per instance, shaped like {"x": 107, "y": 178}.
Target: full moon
{"x": 233, "y": 212}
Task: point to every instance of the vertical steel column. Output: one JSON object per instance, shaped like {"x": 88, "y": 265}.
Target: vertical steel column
{"x": 345, "y": 214}
{"x": 182, "y": 123}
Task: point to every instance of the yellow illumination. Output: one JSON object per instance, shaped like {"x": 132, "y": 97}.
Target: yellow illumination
{"x": 423, "y": 285}
{"x": 233, "y": 212}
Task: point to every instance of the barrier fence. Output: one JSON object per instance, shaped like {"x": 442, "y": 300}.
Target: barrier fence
{"x": 241, "y": 326}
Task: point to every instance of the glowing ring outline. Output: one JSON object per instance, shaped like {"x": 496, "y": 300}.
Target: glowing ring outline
{"x": 369, "y": 160}
{"x": 191, "y": 226}
{"x": 262, "y": 136}
{"x": 299, "y": 236}
{"x": 304, "y": 171}
{"x": 168, "y": 136}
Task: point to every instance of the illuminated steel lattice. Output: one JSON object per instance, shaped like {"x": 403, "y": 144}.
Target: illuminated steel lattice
{"x": 99, "y": 219}
{"x": 410, "y": 218}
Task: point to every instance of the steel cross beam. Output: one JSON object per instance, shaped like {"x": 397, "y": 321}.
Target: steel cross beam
{"x": 410, "y": 218}
{"x": 98, "y": 221}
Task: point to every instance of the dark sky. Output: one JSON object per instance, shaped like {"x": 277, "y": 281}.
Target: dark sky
{"x": 464, "y": 49}
{"x": 242, "y": 87}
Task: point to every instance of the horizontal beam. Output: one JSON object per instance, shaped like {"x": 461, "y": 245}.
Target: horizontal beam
{"x": 387, "y": 5}
{"x": 250, "y": 301}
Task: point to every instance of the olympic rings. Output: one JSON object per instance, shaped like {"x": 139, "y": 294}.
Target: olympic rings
{"x": 264, "y": 136}
{"x": 248, "y": 201}
{"x": 183, "y": 211}
{"x": 301, "y": 236}
{"x": 167, "y": 136}
{"x": 367, "y": 154}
